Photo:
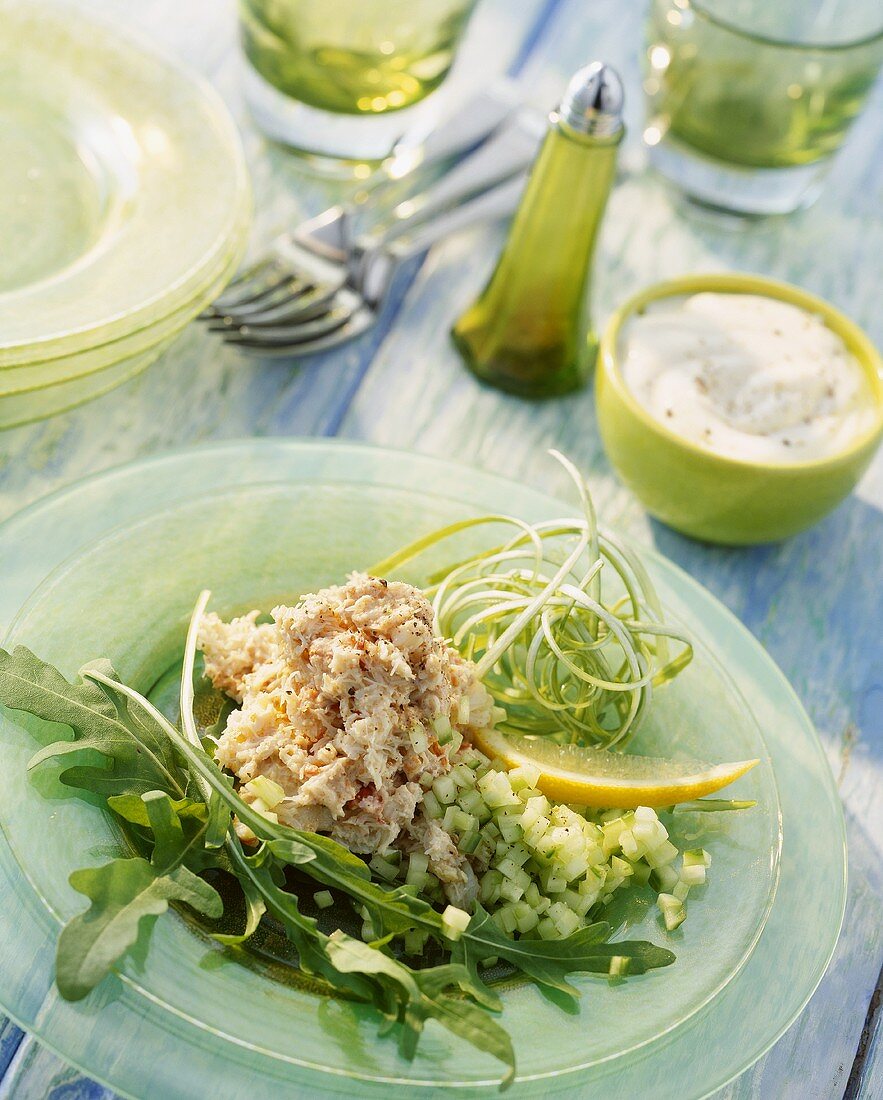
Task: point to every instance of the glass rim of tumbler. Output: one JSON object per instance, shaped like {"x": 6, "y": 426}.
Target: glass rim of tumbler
{"x": 703, "y": 9}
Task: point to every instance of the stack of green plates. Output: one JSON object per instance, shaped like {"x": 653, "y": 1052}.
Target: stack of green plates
{"x": 124, "y": 206}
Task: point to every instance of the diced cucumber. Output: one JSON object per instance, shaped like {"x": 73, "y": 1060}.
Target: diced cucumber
{"x": 662, "y": 855}
{"x": 629, "y": 845}
{"x": 384, "y": 868}
{"x": 418, "y": 865}
{"x": 511, "y": 891}
{"x": 444, "y": 732}
{"x": 507, "y": 919}
{"x": 471, "y": 801}
{"x": 431, "y": 806}
{"x": 464, "y": 777}
{"x": 693, "y": 875}
{"x": 673, "y": 911}
{"x": 696, "y": 857}
{"x": 526, "y": 918}
{"x": 664, "y": 879}
{"x": 621, "y": 867}
{"x": 260, "y": 807}
{"x": 525, "y": 776}
{"x": 469, "y": 842}
{"x": 619, "y": 966}
{"x": 445, "y": 790}
{"x": 510, "y": 830}
{"x": 454, "y": 922}
{"x": 547, "y": 929}
{"x": 497, "y": 791}
{"x": 574, "y": 868}
{"x": 267, "y": 790}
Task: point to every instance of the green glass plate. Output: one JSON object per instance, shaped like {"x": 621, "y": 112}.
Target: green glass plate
{"x": 112, "y": 567}
{"x": 62, "y": 371}
{"x": 93, "y": 373}
{"x": 122, "y": 179}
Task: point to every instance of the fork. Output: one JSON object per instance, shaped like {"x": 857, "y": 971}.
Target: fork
{"x": 311, "y": 275}
{"x": 349, "y": 311}
{"x": 327, "y": 235}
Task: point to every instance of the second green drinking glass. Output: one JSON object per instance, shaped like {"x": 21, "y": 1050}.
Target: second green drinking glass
{"x": 326, "y": 76}
{"x": 748, "y": 100}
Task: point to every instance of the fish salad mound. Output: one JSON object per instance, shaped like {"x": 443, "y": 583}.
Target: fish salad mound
{"x": 344, "y": 700}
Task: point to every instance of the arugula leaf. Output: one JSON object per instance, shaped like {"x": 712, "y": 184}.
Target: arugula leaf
{"x": 549, "y": 962}
{"x": 464, "y": 1019}
{"x": 132, "y": 808}
{"x": 123, "y": 893}
{"x": 255, "y": 907}
{"x": 135, "y": 755}
{"x": 302, "y": 931}
{"x": 219, "y": 822}
{"x": 421, "y": 996}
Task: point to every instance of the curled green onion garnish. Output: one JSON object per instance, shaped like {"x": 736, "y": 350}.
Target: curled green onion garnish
{"x": 562, "y": 621}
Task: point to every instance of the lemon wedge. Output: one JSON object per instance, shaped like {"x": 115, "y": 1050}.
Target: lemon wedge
{"x": 605, "y": 780}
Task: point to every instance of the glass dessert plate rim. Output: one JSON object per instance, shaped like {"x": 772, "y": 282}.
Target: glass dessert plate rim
{"x": 87, "y": 385}
{"x": 356, "y": 449}
{"x": 159, "y": 333}
{"x": 119, "y": 38}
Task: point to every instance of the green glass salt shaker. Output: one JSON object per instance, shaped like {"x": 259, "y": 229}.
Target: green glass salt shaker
{"x": 529, "y": 332}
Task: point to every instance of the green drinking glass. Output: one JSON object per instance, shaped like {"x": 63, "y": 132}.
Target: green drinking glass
{"x": 748, "y": 100}
{"x": 340, "y": 80}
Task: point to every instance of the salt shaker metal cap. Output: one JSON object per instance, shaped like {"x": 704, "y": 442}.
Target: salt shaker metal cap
{"x": 593, "y": 101}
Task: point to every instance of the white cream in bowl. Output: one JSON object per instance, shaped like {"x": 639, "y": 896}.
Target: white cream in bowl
{"x": 747, "y": 376}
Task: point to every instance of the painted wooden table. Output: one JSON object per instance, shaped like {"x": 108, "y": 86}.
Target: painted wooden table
{"x": 816, "y": 602}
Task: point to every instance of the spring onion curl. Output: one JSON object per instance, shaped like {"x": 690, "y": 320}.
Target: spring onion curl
{"x": 562, "y": 621}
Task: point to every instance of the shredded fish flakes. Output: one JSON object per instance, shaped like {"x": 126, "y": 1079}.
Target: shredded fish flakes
{"x": 340, "y": 699}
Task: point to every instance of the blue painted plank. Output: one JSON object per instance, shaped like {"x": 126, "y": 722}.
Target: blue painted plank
{"x": 10, "y": 1039}
{"x": 37, "y": 1074}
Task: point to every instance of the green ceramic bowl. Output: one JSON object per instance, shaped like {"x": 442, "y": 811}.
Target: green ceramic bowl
{"x": 711, "y": 496}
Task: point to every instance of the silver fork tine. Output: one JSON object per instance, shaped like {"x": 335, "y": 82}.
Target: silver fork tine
{"x": 358, "y": 323}
{"x": 287, "y": 335}
{"x": 293, "y": 286}
{"x": 255, "y": 277}
{"x": 294, "y": 310}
